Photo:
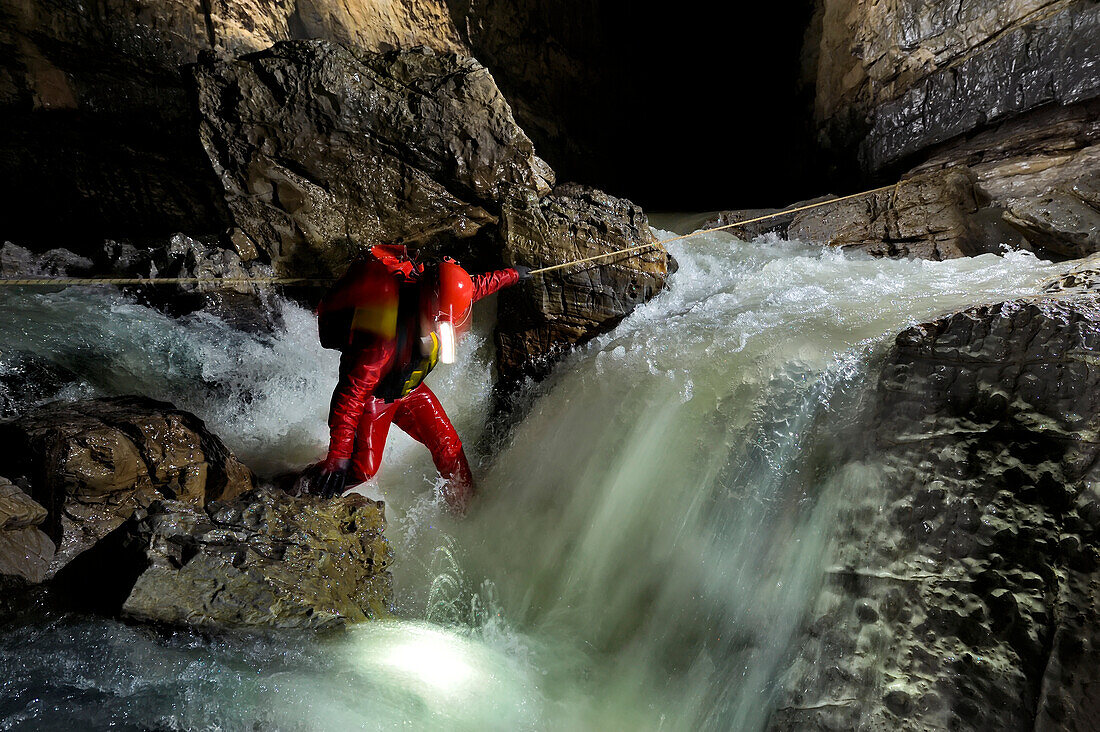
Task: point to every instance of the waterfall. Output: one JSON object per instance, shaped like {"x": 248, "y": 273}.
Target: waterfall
{"x": 643, "y": 547}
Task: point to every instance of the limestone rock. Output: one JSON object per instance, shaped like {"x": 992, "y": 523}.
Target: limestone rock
{"x": 100, "y": 129}
{"x": 1042, "y": 171}
{"x": 930, "y": 216}
{"x": 943, "y": 211}
{"x": 246, "y": 26}
{"x": 322, "y": 154}
{"x": 265, "y": 559}
{"x": 1028, "y": 183}
{"x": 91, "y": 464}
{"x": 152, "y": 517}
{"x": 1029, "y": 155}
{"x": 25, "y": 551}
{"x": 299, "y": 156}
{"x": 900, "y": 77}
{"x": 962, "y": 594}
{"x": 1059, "y": 222}
{"x": 540, "y": 319}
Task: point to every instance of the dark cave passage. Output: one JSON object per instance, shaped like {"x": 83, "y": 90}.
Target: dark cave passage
{"x": 687, "y": 110}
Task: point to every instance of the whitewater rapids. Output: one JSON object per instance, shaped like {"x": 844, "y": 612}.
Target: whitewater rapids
{"x": 644, "y": 545}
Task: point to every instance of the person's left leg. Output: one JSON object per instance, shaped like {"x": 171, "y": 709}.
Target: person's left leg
{"x": 421, "y": 415}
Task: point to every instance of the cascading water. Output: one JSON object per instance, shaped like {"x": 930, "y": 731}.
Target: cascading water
{"x": 643, "y": 547}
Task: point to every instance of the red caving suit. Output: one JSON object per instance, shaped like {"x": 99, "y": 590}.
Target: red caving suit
{"x": 372, "y": 316}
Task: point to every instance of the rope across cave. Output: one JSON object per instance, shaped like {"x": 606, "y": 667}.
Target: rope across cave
{"x": 138, "y": 281}
{"x": 766, "y": 217}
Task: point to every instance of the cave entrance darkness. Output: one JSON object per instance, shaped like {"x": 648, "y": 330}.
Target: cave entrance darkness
{"x": 678, "y": 107}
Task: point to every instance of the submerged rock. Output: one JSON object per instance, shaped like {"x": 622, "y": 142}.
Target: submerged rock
{"x": 17, "y": 261}
{"x": 963, "y": 592}
{"x": 265, "y": 559}
{"x": 91, "y": 464}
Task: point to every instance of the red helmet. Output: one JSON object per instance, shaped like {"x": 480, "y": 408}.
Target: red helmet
{"x": 454, "y": 294}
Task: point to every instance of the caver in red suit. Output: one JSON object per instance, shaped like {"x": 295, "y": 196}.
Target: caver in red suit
{"x": 393, "y": 320}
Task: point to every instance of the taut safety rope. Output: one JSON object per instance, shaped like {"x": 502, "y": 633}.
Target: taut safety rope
{"x": 59, "y": 281}
{"x": 700, "y": 232}
{"x": 42, "y": 281}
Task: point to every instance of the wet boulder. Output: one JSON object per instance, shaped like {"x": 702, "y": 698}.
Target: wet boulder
{"x": 1040, "y": 172}
{"x": 265, "y": 559}
{"x": 322, "y": 152}
{"x": 92, "y": 464}
{"x": 1062, "y": 222}
{"x": 25, "y": 551}
{"x": 931, "y": 216}
{"x": 962, "y": 593}
{"x": 129, "y": 506}
{"x": 540, "y": 319}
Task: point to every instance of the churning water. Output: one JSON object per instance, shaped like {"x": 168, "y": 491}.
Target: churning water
{"x": 640, "y": 555}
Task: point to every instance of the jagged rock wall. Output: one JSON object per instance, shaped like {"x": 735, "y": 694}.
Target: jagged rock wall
{"x": 1032, "y": 182}
{"x": 1001, "y": 95}
{"x": 323, "y": 153}
{"x": 97, "y": 108}
{"x": 962, "y": 592}
{"x": 899, "y": 77}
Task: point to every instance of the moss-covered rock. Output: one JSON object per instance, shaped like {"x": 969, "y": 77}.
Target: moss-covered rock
{"x": 266, "y": 559}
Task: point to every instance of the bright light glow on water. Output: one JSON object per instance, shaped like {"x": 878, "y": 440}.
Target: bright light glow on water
{"x": 426, "y": 656}
{"x": 643, "y": 546}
